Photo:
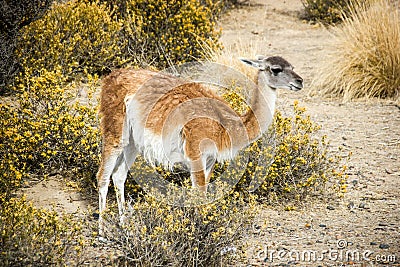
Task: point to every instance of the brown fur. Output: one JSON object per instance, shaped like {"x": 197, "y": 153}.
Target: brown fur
{"x": 116, "y": 87}
{"x": 210, "y": 122}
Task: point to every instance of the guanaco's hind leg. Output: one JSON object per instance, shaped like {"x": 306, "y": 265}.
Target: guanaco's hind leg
{"x": 200, "y": 172}
{"x": 116, "y": 166}
{"x": 119, "y": 176}
{"x": 197, "y": 175}
{"x": 107, "y": 165}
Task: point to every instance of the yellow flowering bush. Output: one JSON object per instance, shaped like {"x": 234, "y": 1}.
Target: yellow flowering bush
{"x": 325, "y": 11}
{"x": 158, "y": 234}
{"x": 163, "y": 33}
{"x": 44, "y": 130}
{"x": 76, "y": 35}
{"x": 302, "y": 162}
{"x": 98, "y": 36}
{"x": 38, "y": 237}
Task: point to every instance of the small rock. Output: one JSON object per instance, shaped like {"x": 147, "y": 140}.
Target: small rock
{"x": 384, "y": 246}
{"x": 362, "y": 205}
{"x": 388, "y": 171}
{"x": 96, "y": 215}
{"x": 329, "y": 207}
{"x": 322, "y": 225}
{"x": 307, "y": 225}
{"x": 373, "y": 243}
{"x": 383, "y": 224}
{"x": 354, "y": 182}
{"x": 351, "y": 205}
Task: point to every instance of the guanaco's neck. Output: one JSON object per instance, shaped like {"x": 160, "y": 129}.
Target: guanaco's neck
{"x": 262, "y": 104}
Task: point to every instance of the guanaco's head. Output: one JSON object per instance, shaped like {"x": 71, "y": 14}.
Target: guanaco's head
{"x": 277, "y": 71}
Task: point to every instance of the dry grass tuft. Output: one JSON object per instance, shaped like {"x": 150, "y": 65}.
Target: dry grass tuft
{"x": 365, "y": 61}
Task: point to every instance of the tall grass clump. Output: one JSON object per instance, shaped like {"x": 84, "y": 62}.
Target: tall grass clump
{"x": 365, "y": 59}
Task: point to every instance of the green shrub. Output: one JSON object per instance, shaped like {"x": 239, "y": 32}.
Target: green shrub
{"x": 37, "y": 237}
{"x": 365, "y": 56}
{"x": 158, "y": 234}
{"x": 95, "y": 37}
{"x": 45, "y": 130}
{"x": 8, "y": 62}
{"x": 325, "y": 11}
{"x": 228, "y": 4}
{"x": 76, "y": 36}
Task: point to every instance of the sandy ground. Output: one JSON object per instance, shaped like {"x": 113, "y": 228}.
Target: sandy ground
{"x": 362, "y": 229}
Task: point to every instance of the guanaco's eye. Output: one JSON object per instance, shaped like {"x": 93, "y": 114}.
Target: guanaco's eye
{"x": 276, "y": 70}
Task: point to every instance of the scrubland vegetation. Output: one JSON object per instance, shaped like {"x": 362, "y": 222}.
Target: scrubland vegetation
{"x": 365, "y": 57}
{"x": 46, "y": 126}
{"x": 325, "y": 11}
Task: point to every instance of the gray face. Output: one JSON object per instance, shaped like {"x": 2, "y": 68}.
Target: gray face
{"x": 278, "y": 72}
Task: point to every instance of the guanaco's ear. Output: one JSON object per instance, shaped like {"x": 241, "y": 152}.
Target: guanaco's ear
{"x": 256, "y": 63}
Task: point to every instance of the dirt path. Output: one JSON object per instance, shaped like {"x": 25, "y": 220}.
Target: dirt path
{"x": 366, "y": 223}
